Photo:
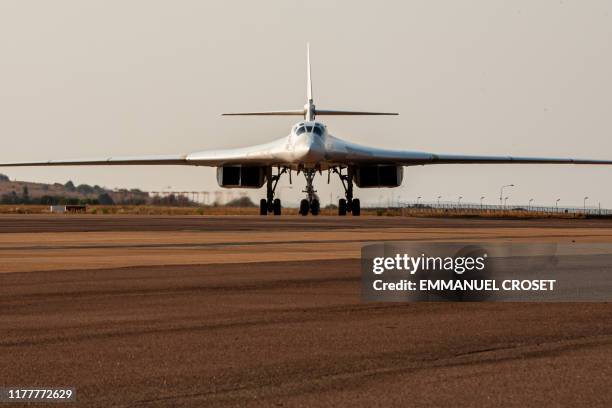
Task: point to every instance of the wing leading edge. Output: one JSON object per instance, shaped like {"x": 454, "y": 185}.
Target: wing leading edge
{"x": 422, "y": 159}
{"x": 264, "y": 154}
{"x": 467, "y": 159}
{"x": 212, "y": 158}
{"x": 275, "y": 153}
{"x": 108, "y": 161}
{"x": 350, "y": 153}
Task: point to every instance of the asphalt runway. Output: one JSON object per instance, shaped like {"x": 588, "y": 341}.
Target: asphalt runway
{"x": 244, "y": 311}
{"x": 76, "y": 223}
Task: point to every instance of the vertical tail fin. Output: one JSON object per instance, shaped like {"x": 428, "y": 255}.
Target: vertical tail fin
{"x": 309, "y": 80}
{"x": 309, "y": 111}
{"x": 309, "y": 108}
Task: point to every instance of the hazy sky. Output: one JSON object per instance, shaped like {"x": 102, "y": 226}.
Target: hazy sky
{"x": 83, "y": 79}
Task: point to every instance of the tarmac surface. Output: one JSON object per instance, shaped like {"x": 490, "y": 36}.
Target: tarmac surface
{"x": 250, "y": 311}
{"x": 59, "y": 223}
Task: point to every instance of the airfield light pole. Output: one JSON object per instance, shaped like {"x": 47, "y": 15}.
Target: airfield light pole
{"x": 481, "y": 198}
{"x": 501, "y": 192}
{"x": 584, "y": 203}
{"x": 505, "y": 200}
{"x": 557, "y": 204}
{"x": 529, "y": 206}
{"x": 417, "y": 201}
{"x": 439, "y": 197}
{"x": 459, "y": 201}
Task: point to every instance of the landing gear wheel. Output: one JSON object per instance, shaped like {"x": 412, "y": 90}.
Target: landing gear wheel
{"x": 349, "y": 204}
{"x": 304, "y": 207}
{"x": 270, "y": 204}
{"x": 342, "y": 206}
{"x": 356, "y": 208}
{"x": 315, "y": 207}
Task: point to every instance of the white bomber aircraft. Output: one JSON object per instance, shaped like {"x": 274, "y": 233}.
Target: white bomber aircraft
{"x": 309, "y": 148}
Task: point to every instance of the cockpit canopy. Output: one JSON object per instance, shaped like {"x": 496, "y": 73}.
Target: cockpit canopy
{"x": 316, "y": 128}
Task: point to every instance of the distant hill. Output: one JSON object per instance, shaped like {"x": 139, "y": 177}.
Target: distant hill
{"x": 25, "y": 192}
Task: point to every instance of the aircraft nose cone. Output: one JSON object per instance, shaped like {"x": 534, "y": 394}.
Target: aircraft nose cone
{"x": 310, "y": 149}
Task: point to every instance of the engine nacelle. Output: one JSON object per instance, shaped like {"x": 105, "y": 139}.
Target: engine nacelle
{"x": 241, "y": 176}
{"x": 378, "y": 175}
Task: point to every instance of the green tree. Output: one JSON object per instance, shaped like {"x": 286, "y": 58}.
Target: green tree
{"x": 25, "y": 195}
{"x": 69, "y": 186}
{"x": 85, "y": 189}
{"x": 105, "y": 199}
{"x": 241, "y": 202}
{"x": 49, "y": 200}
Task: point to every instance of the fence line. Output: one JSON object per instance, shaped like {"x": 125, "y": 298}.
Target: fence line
{"x": 488, "y": 208}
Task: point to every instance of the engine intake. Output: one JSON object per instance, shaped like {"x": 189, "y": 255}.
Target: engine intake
{"x": 381, "y": 175}
{"x": 241, "y": 176}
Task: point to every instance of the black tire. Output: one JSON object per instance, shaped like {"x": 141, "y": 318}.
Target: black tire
{"x": 356, "y": 207}
{"x": 304, "y": 207}
{"x": 277, "y": 207}
{"x": 263, "y": 207}
{"x": 315, "y": 207}
{"x": 342, "y": 206}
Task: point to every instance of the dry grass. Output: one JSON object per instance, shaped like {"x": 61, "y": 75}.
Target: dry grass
{"x": 383, "y": 212}
{"x": 514, "y": 214}
{"x": 158, "y": 210}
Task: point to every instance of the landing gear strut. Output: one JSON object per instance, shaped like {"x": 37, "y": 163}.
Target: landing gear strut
{"x": 271, "y": 204}
{"x": 350, "y": 204}
{"x": 311, "y": 203}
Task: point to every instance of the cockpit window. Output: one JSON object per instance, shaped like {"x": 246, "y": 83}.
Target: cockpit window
{"x": 317, "y": 129}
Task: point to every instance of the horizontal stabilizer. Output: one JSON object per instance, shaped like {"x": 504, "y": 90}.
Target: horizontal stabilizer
{"x": 302, "y": 112}
{"x": 294, "y": 112}
{"x": 343, "y": 112}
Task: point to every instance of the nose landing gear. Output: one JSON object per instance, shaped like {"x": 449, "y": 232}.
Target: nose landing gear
{"x": 348, "y": 204}
{"x": 311, "y": 203}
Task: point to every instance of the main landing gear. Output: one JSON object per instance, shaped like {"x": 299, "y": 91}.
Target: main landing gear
{"x": 311, "y": 203}
{"x": 271, "y": 204}
{"x": 348, "y": 204}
